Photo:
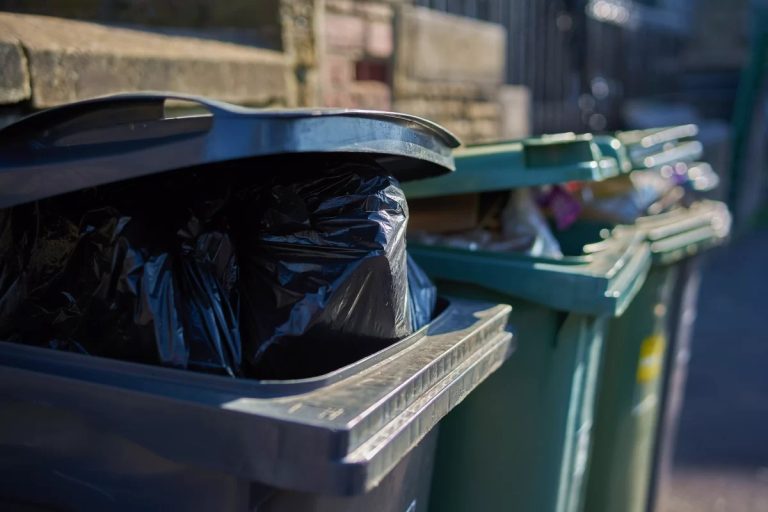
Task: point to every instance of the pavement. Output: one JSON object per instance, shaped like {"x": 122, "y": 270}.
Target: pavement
{"x": 721, "y": 460}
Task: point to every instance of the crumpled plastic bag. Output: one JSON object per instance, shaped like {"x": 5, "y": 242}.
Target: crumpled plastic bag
{"x": 324, "y": 279}
{"x": 218, "y": 271}
{"x": 422, "y": 296}
{"x": 107, "y": 284}
{"x": 624, "y": 199}
{"x": 522, "y": 220}
{"x": 522, "y": 229}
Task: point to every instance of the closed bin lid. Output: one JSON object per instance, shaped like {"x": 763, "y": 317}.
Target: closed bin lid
{"x": 684, "y": 232}
{"x": 523, "y": 163}
{"x": 655, "y": 147}
{"x": 113, "y": 138}
{"x": 601, "y": 282}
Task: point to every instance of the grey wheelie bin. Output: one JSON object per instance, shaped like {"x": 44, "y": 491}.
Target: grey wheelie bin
{"x": 521, "y": 441}
{"x": 84, "y": 432}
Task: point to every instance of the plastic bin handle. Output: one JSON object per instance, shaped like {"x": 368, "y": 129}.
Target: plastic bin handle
{"x": 100, "y": 113}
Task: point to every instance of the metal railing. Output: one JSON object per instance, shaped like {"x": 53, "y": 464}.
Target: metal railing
{"x": 582, "y": 59}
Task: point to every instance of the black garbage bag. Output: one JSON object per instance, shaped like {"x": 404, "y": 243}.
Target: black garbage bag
{"x": 422, "y": 296}
{"x": 324, "y": 278}
{"x": 117, "y": 286}
{"x": 278, "y": 277}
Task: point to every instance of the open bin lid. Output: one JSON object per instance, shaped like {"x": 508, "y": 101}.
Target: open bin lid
{"x": 113, "y": 138}
{"x": 651, "y": 148}
{"x": 523, "y": 163}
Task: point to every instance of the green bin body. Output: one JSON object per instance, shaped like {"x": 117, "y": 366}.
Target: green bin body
{"x": 636, "y": 415}
{"x": 521, "y": 442}
{"x": 640, "y": 359}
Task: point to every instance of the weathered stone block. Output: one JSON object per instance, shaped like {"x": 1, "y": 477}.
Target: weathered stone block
{"x": 236, "y": 20}
{"x": 515, "y": 108}
{"x": 14, "y": 78}
{"x": 434, "y": 46}
{"x": 459, "y": 127}
{"x": 418, "y": 107}
{"x": 406, "y": 88}
{"x": 485, "y": 130}
{"x": 431, "y": 109}
{"x": 482, "y": 110}
{"x": 72, "y": 60}
{"x": 360, "y": 94}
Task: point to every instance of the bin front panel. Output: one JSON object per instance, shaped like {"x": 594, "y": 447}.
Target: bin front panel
{"x": 628, "y": 403}
{"x": 521, "y": 441}
{"x": 338, "y": 434}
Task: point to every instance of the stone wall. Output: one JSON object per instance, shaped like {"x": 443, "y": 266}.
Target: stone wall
{"x": 251, "y": 22}
{"x": 392, "y": 56}
{"x": 375, "y": 54}
{"x": 449, "y": 69}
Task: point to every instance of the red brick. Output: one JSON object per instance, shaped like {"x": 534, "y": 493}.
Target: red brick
{"x": 376, "y": 70}
{"x": 379, "y": 39}
{"x": 372, "y": 95}
{"x": 337, "y": 98}
{"x": 340, "y": 70}
{"x": 344, "y": 32}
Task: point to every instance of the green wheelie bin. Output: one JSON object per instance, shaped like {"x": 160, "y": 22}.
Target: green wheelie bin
{"x": 521, "y": 442}
{"x": 642, "y": 346}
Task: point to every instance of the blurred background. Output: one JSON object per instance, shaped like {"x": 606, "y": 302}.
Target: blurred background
{"x": 487, "y": 70}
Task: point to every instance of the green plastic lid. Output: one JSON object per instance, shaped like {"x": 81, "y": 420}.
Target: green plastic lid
{"x": 652, "y": 148}
{"x": 601, "y": 282}
{"x": 523, "y": 163}
{"x": 683, "y": 232}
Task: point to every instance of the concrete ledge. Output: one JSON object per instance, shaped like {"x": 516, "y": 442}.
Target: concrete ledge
{"x": 71, "y": 60}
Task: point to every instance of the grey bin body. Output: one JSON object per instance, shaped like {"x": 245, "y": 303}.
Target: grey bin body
{"x": 80, "y": 432}
{"x": 84, "y": 433}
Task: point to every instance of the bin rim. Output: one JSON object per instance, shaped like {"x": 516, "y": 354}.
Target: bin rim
{"x": 601, "y": 282}
{"x": 653, "y": 148}
{"x": 507, "y": 165}
{"x": 338, "y": 439}
{"x": 685, "y": 231}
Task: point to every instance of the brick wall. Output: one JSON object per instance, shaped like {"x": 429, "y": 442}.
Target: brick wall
{"x": 375, "y": 54}
{"x": 390, "y": 56}
{"x": 356, "y": 54}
